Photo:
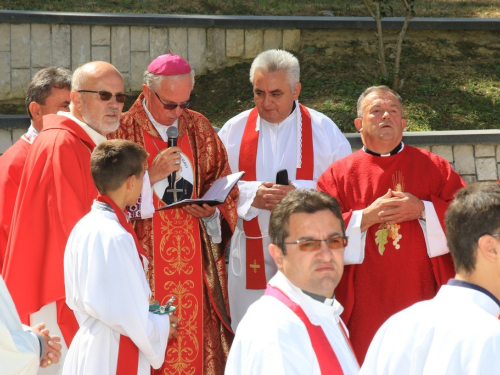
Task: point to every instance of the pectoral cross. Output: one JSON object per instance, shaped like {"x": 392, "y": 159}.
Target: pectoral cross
{"x": 254, "y": 265}
{"x": 175, "y": 190}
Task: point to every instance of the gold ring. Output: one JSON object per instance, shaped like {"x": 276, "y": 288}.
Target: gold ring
{"x": 175, "y": 325}
{"x": 49, "y": 362}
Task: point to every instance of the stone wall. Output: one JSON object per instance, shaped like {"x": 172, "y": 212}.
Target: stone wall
{"x": 27, "y": 48}
{"x": 30, "y": 41}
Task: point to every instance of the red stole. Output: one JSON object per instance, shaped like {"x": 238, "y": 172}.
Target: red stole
{"x": 255, "y": 267}
{"x": 128, "y": 352}
{"x": 178, "y": 270}
{"x": 327, "y": 359}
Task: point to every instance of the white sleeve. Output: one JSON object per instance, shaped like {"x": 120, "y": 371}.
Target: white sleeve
{"x": 435, "y": 237}
{"x": 248, "y": 191}
{"x": 147, "y": 206}
{"x": 212, "y": 224}
{"x": 19, "y": 349}
{"x": 355, "y": 250}
{"x": 114, "y": 290}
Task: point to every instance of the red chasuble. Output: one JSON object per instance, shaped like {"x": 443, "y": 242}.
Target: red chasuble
{"x": 396, "y": 271}
{"x": 56, "y": 191}
{"x": 183, "y": 260}
{"x": 256, "y": 275}
{"x": 11, "y": 166}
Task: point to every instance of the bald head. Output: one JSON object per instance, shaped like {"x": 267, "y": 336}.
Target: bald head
{"x": 91, "y": 107}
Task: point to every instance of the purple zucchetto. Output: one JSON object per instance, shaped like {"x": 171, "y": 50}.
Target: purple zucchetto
{"x": 169, "y": 65}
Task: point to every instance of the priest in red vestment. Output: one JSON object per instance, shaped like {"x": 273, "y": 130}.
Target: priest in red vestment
{"x": 185, "y": 246}
{"x": 56, "y": 191}
{"x": 393, "y": 198}
{"x": 48, "y": 92}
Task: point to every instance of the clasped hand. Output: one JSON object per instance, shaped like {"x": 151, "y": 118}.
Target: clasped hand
{"x": 269, "y": 194}
{"x": 392, "y": 207}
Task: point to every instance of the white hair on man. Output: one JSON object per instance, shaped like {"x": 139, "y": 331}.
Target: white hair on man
{"x": 275, "y": 60}
{"x": 153, "y": 80}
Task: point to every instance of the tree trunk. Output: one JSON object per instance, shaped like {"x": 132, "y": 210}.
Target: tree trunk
{"x": 399, "y": 46}
{"x": 381, "y": 49}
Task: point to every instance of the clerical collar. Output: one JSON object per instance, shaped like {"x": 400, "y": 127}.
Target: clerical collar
{"x": 316, "y": 297}
{"x": 103, "y": 206}
{"x": 466, "y": 284}
{"x": 398, "y": 148}
{"x": 162, "y": 129}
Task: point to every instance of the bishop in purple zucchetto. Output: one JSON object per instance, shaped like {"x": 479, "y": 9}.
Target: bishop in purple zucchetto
{"x": 169, "y": 65}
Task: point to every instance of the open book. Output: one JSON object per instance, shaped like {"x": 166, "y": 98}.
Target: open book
{"x": 217, "y": 193}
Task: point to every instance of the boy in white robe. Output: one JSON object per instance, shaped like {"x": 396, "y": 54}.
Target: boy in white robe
{"x": 458, "y": 331}
{"x": 104, "y": 275}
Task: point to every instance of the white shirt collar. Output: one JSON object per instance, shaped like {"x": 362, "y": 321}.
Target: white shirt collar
{"x": 162, "y": 129}
{"x": 294, "y": 116}
{"x": 95, "y": 136}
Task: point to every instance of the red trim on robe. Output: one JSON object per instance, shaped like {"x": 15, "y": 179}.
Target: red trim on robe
{"x": 327, "y": 359}
{"x": 255, "y": 266}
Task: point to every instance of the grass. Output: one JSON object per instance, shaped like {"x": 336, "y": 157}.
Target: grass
{"x": 424, "y": 8}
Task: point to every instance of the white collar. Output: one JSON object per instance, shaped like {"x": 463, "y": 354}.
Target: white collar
{"x": 310, "y": 306}
{"x": 162, "y": 129}
{"x": 295, "y": 115}
{"x": 95, "y": 136}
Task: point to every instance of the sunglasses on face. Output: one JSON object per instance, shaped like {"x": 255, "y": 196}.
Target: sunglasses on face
{"x": 172, "y": 106}
{"x": 335, "y": 242}
{"x": 105, "y": 95}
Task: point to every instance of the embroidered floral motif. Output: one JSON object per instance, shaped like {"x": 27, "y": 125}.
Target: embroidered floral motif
{"x": 387, "y": 231}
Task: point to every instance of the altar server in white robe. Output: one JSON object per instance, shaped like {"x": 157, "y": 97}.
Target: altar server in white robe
{"x": 23, "y": 349}
{"x": 104, "y": 275}
{"x": 279, "y": 133}
{"x": 295, "y": 328}
{"x": 458, "y": 331}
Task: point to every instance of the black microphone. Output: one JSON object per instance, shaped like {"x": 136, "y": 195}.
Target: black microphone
{"x": 172, "y": 133}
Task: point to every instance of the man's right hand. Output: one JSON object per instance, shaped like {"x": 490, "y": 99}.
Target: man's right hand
{"x": 269, "y": 195}
{"x": 167, "y": 161}
{"x": 52, "y": 345}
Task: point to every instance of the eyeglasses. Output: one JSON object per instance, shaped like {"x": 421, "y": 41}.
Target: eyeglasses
{"x": 105, "y": 95}
{"x": 172, "y": 106}
{"x": 492, "y": 234}
{"x": 333, "y": 243}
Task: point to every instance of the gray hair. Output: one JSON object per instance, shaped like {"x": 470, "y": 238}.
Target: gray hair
{"x": 40, "y": 87}
{"x": 371, "y": 89}
{"x": 275, "y": 60}
{"x": 153, "y": 80}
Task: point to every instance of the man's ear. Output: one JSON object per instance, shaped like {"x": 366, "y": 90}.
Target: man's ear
{"x": 277, "y": 255}
{"x": 296, "y": 91}
{"x": 358, "y": 123}
{"x": 487, "y": 248}
{"x": 36, "y": 111}
{"x": 403, "y": 123}
{"x": 131, "y": 181}
{"x": 76, "y": 99}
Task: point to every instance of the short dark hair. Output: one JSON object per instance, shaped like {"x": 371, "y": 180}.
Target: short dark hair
{"x": 113, "y": 161}
{"x": 474, "y": 213}
{"x": 299, "y": 201}
{"x": 42, "y": 84}
{"x": 377, "y": 89}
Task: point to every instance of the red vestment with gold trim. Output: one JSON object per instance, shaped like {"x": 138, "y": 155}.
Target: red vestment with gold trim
{"x": 184, "y": 261}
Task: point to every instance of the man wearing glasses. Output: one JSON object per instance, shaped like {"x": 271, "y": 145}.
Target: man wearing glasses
{"x": 393, "y": 198}
{"x": 186, "y": 245}
{"x": 458, "y": 331}
{"x": 55, "y": 192}
{"x": 295, "y": 328}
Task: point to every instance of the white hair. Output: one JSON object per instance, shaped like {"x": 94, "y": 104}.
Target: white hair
{"x": 377, "y": 89}
{"x": 275, "y": 60}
